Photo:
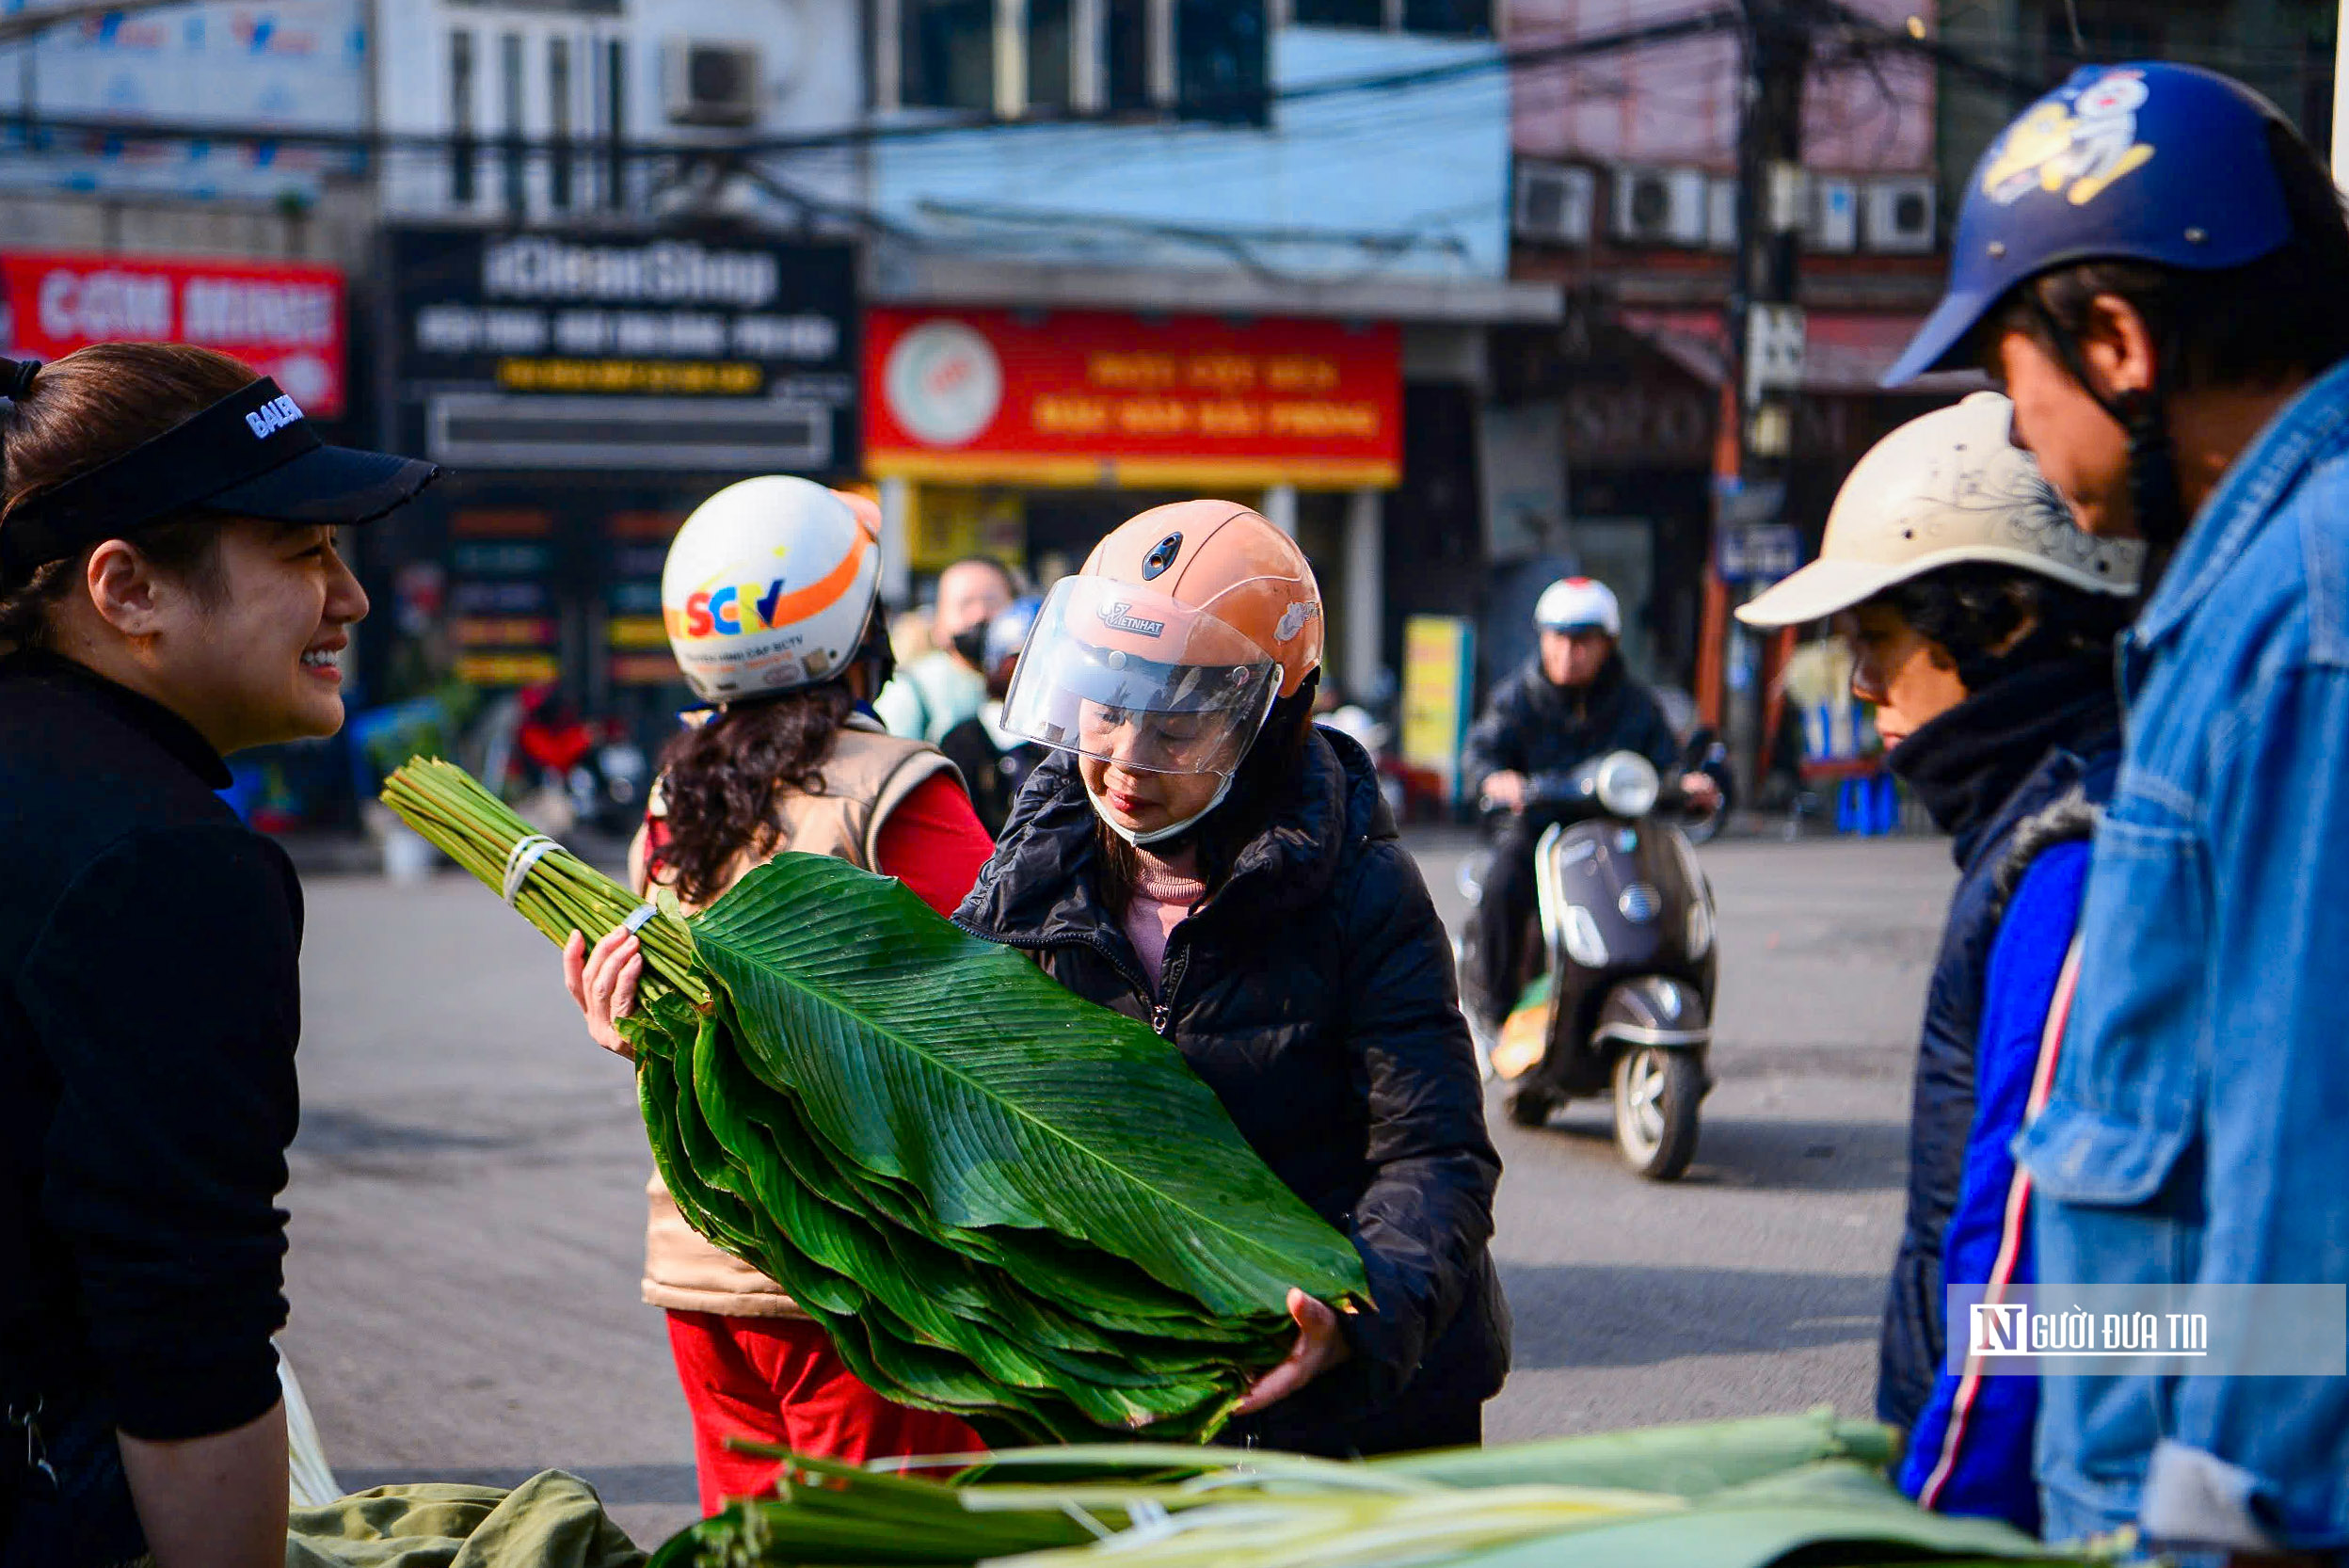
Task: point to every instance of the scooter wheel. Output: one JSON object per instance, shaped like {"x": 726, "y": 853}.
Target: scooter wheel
{"x": 1656, "y": 1094}
{"x": 1531, "y": 1107}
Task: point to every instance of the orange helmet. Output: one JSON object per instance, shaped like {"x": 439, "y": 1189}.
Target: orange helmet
{"x": 1168, "y": 649}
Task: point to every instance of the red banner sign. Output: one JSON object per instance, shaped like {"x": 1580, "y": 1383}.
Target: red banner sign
{"x": 283, "y": 318}
{"x": 1081, "y": 397}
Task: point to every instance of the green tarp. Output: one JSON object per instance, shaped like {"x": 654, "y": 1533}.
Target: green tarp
{"x": 551, "y": 1521}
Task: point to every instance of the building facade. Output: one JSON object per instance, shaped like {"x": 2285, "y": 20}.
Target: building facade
{"x": 1627, "y": 195}
{"x": 1244, "y": 250}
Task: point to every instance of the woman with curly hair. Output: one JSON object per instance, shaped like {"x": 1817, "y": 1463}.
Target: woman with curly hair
{"x": 790, "y": 755}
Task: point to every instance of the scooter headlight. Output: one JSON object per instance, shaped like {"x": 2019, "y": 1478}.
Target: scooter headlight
{"x": 1699, "y": 928}
{"x": 1626, "y": 785}
{"x": 1584, "y": 944}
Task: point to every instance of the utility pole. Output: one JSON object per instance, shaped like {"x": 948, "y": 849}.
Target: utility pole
{"x": 1765, "y": 335}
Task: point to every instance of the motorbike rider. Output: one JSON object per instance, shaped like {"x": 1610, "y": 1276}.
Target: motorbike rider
{"x": 1980, "y": 622}
{"x": 993, "y": 763}
{"x": 790, "y": 757}
{"x": 171, "y": 591}
{"x": 1572, "y": 701}
{"x": 1190, "y": 809}
{"x": 2156, "y": 266}
{"x": 947, "y": 685}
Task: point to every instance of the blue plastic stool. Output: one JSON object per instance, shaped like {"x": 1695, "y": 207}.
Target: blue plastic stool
{"x": 1868, "y": 807}
{"x": 1884, "y": 818}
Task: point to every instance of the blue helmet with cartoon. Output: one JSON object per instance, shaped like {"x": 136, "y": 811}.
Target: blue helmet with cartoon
{"x": 2145, "y": 161}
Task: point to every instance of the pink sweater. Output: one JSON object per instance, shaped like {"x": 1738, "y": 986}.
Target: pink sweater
{"x": 1164, "y": 894}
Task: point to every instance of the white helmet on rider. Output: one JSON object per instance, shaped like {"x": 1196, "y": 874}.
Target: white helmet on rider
{"x": 1947, "y": 488}
{"x": 769, "y": 586}
{"x": 1578, "y": 604}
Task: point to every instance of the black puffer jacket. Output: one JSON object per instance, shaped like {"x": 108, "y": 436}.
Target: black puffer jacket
{"x": 1313, "y": 992}
{"x": 1532, "y": 725}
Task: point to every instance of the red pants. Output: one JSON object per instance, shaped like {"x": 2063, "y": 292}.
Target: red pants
{"x": 779, "y": 1379}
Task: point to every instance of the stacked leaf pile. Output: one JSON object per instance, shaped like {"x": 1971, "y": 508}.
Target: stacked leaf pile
{"x": 999, "y": 1200}
{"x": 1725, "y": 1495}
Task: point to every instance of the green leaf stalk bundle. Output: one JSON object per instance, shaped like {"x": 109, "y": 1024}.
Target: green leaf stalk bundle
{"x": 1716, "y": 1495}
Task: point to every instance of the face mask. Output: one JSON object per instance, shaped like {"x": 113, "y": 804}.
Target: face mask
{"x": 1160, "y": 835}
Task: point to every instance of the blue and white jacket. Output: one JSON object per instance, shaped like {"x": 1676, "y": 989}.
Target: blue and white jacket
{"x": 1971, "y": 1449}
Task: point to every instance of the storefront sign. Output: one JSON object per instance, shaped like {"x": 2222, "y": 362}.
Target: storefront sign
{"x": 506, "y": 629}
{"x": 1756, "y": 552}
{"x": 1097, "y": 398}
{"x": 636, "y": 640}
{"x": 259, "y": 66}
{"x": 1439, "y": 670}
{"x": 284, "y": 319}
{"x": 555, "y": 350}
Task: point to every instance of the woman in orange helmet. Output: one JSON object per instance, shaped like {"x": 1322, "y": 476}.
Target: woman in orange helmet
{"x": 1197, "y": 854}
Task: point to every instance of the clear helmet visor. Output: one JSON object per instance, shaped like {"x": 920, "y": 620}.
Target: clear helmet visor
{"x": 1129, "y": 676}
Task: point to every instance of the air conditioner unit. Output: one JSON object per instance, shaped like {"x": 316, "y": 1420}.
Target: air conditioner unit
{"x": 709, "y": 83}
{"x": 1556, "y": 202}
{"x": 1899, "y": 213}
{"x": 1834, "y": 215}
{"x": 1720, "y": 212}
{"x": 1660, "y": 206}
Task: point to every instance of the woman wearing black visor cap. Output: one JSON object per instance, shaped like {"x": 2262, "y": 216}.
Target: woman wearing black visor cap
{"x": 170, "y": 591}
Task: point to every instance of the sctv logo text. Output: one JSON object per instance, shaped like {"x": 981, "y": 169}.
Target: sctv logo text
{"x": 727, "y": 611}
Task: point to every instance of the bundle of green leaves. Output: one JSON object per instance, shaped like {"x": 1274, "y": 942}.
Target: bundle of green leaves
{"x": 1714, "y": 1494}
{"x": 999, "y": 1200}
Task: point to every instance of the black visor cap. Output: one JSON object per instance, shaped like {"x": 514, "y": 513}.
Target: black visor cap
{"x": 250, "y": 454}
{"x": 335, "y": 485}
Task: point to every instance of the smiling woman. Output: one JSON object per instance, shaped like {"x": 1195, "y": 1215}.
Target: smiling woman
{"x": 170, "y": 591}
{"x": 168, "y": 522}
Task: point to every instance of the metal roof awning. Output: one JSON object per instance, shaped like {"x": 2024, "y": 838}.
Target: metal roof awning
{"x": 1846, "y": 353}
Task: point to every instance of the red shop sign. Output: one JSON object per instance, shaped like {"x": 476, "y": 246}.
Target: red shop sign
{"x": 1084, "y": 397}
{"x": 283, "y": 318}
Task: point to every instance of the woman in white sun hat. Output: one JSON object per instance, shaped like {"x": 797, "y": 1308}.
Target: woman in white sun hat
{"x": 1981, "y": 622}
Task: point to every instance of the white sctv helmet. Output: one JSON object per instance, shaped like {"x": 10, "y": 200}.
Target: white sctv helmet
{"x": 1947, "y": 488}
{"x": 1579, "y": 604}
{"x": 768, "y": 588}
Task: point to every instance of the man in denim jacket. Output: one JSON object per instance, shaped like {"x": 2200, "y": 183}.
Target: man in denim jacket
{"x": 2157, "y": 268}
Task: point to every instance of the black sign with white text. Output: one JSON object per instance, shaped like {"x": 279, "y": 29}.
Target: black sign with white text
{"x": 597, "y": 350}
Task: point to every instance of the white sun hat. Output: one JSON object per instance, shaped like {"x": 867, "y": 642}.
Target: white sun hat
{"x": 1948, "y": 488}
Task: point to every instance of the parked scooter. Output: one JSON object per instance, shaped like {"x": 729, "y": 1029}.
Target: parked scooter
{"x": 1620, "y": 969}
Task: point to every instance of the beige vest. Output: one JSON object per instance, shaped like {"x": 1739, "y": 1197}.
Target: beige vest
{"x": 868, "y": 775}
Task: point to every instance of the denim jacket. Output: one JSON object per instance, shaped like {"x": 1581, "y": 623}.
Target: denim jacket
{"x": 2199, "y": 1126}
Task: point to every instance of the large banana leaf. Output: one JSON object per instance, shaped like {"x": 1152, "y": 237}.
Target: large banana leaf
{"x": 1690, "y": 1459}
{"x": 929, "y": 1056}
{"x": 996, "y": 1200}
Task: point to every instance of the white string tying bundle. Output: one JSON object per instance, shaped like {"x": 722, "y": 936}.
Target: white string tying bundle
{"x": 525, "y": 853}
{"x": 638, "y": 916}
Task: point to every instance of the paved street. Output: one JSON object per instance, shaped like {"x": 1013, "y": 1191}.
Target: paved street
{"x": 467, "y": 1208}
